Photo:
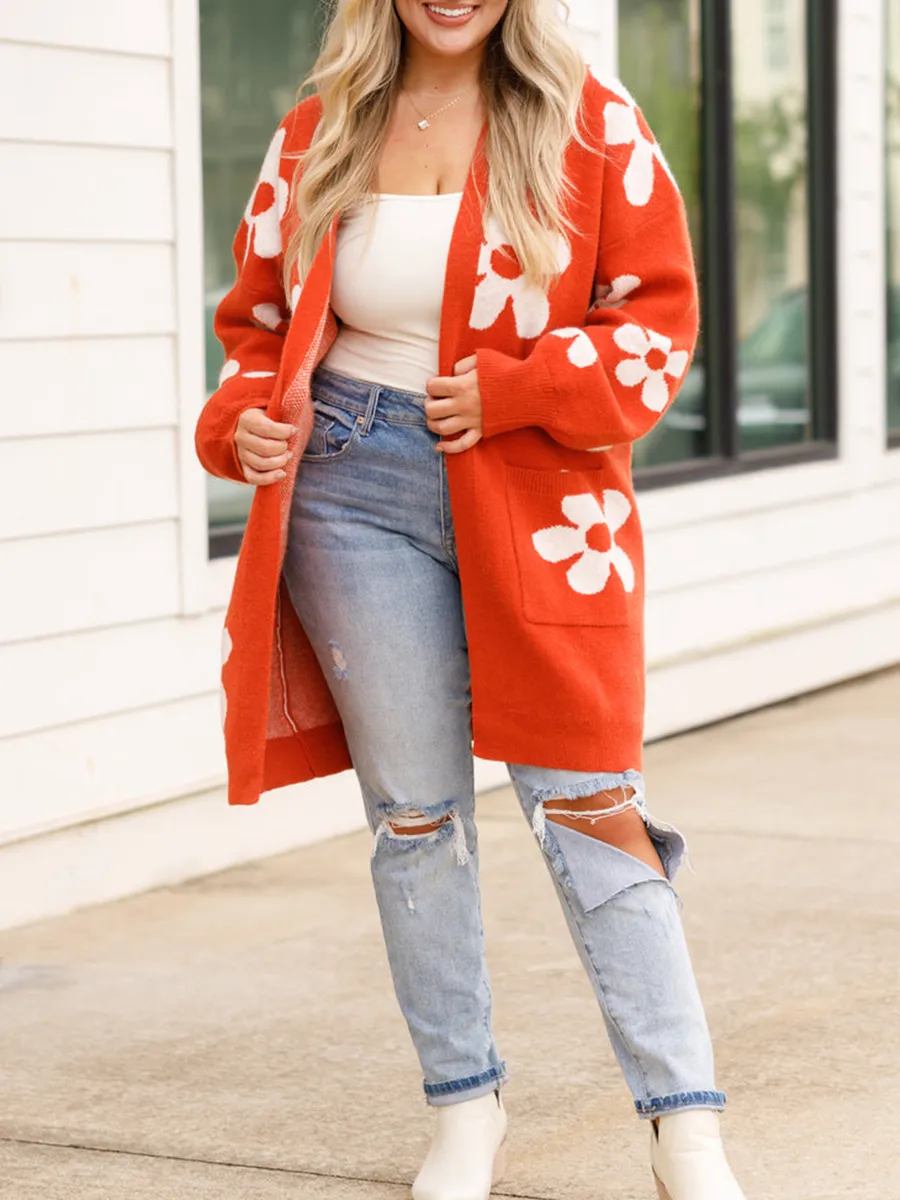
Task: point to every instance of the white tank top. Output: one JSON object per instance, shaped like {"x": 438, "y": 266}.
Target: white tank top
{"x": 388, "y": 285}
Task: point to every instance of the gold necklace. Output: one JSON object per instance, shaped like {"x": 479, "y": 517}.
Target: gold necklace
{"x": 425, "y": 123}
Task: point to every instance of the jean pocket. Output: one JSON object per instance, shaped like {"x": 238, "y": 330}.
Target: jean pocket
{"x": 333, "y": 433}
{"x": 578, "y": 547}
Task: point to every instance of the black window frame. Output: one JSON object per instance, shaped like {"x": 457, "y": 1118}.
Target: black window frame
{"x": 718, "y": 286}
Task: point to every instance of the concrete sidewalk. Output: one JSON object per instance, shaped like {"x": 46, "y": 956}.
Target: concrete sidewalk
{"x": 237, "y": 1037}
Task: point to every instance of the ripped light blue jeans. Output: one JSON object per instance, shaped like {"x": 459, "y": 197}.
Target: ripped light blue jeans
{"x": 372, "y": 571}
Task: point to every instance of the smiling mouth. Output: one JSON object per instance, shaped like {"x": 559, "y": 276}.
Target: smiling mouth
{"x": 456, "y": 14}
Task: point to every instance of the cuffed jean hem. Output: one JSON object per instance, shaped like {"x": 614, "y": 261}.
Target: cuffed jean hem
{"x": 659, "y": 1106}
{"x": 458, "y": 1090}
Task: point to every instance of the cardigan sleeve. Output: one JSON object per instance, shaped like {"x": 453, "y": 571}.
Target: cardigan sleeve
{"x": 609, "y": 380}
{"x": 252, "y": 319}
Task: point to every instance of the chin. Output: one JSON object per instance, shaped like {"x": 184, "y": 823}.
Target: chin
{"x": 449, "y": 39}
{"x": 450, "y": 47}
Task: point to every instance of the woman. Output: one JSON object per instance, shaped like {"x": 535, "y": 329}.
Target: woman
{"x": 464, "y": 289}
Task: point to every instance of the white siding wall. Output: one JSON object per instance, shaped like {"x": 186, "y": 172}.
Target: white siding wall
{"x": 111, "y": 761}
{"x": 766, "y": 585}
{"x": 89, "y": 497}
{"x": 111, "y": 755}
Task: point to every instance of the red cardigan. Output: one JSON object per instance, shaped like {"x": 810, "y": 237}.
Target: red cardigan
{"x": 547, "y": 528}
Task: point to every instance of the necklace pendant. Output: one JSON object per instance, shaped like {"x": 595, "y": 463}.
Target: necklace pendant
{"x": 423, "y": 124}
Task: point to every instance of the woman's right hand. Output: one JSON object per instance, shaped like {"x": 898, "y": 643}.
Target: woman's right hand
{"x": 261, "y": 446}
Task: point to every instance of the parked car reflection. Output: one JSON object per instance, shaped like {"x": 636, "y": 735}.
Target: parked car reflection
{"x": 772, "y": 384}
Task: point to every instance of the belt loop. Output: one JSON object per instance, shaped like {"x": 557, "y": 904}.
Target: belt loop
{"x": 371, "y": 408}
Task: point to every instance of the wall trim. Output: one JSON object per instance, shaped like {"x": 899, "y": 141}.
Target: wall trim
{"x": 191, "y": 364}
{"x": 95, "y": 862}
{"x": 703, "y": 690}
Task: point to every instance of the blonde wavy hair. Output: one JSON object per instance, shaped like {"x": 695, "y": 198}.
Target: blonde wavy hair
{"x": 532, "y": 79}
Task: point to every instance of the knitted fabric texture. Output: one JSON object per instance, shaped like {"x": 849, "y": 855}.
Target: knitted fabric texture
{"x": 547, "y": 528}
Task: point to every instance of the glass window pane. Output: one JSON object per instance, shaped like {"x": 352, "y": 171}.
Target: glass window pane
{"x": 771, "y": 164}
{"x": 660, "y": 62}
{"x": 253, "y": 58}
{"x": 893, "y": 213}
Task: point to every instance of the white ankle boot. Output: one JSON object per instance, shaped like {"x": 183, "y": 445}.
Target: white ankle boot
{"x": 468, "y": 1152}
{"x": 688, "y": 1158}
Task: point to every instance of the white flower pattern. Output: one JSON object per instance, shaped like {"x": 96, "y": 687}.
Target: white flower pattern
{"x": 623, "y": 128}
{"x": 590, "y": 573}
{"x": 232, "y": 370}
{"x": 582, "y": 352}
{"x": 654, "y": 362}
{"x": 267, "y": 205}
{"x": 269, "y": 316}
{"x": 615, "y": 294}
{"x": 502, "y": 281}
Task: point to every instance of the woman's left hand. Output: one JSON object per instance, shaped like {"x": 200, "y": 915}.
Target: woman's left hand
{"x": 455, "y": 407}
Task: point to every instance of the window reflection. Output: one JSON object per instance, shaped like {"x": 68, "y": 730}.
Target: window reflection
{"x": 253, "y": 58}
{"x": 659, "y": 61}
{"x": 771, "y": 163}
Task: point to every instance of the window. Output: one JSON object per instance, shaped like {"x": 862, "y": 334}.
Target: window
{"x": 253, "y": 59}
{"x": 745, "y": 116}
{"x": 772, "y": 242}
{"x": 660, "y": 61}
{"x": 893, "y": 220}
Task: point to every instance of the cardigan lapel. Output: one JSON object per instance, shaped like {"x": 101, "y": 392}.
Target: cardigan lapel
{"x": 316, "y": 328}
{"x": 462, "y": 261}
{"x": 309, "y": 330}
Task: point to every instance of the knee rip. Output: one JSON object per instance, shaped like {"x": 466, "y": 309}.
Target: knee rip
{"x": 585, "y": 811}
{"x": 587, "y": 815}
{"x": 415, "y": 824}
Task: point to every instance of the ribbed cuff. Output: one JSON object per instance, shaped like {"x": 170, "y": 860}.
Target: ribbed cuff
{"x": 214, "y": 435}
{"x": 515, "y": 393}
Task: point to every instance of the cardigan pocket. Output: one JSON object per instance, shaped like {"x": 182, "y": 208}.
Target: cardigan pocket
{"x": 333, "y": 432}
{"x": 577, "y": 543}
